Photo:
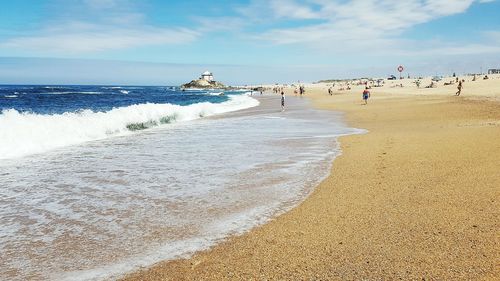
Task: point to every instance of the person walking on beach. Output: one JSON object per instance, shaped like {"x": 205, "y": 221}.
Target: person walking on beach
{"x": 459, "y": 87}
{"x": 366, "y": 95}
{"x": 282, "y": 101}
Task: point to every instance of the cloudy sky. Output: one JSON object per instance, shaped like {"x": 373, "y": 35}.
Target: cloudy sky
{"x": 169, "y": 42}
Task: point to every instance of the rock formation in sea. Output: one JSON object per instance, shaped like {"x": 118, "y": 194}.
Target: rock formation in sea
{"x": 206, "y": 81}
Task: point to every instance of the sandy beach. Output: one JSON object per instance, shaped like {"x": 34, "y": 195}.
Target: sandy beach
{"x": 415, "y": 198}
{"x": 249, "y": 140}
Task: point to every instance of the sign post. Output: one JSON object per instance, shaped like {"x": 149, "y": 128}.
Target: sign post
{"x": 400, "y": 69}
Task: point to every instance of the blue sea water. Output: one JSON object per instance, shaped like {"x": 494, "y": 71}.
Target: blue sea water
{"x": 53, "y": 99}
{"x": 41, "y": 118}
{"x": 97, "y": 181}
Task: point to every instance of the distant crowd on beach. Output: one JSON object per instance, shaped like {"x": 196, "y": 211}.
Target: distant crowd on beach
{"x": 367, "y": 84}
{"x": 338, "y": 86}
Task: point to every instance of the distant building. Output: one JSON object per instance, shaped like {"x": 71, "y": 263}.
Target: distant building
{"x": 494, "y": 71}
{"x": 207, "y": 75}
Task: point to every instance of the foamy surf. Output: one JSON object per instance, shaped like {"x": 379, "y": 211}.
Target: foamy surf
{"x": 98, "y": 210}
{"x": 30, "y": 133}
{"x": 72, "y": 93}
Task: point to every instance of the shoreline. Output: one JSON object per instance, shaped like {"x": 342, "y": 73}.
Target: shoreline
{"x": 427, "y": 220}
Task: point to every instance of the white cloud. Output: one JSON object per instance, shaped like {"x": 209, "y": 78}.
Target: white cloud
{"x": 206, "y": 24}
{"x": 291, "y": 9}
{"x": 87, "y": 38}
{"x": 272, "y": 10}
{"x": 335, "y": 26}
{"x": 99, "y": 25}
{"x": 362, "y": 18}
{"x": 361, "y": 26}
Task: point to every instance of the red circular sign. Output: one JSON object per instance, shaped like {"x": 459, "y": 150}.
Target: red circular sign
{"x": 400, "y": 68}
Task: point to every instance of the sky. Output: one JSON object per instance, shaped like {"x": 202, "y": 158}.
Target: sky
{"x": 156, "y": 42}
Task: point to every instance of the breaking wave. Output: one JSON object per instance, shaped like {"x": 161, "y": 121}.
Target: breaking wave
{"x": 26, "y": 133}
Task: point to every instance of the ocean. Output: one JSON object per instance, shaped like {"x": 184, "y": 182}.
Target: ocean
{"x": 98, "y": 181}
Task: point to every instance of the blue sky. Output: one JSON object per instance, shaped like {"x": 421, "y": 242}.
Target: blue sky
{"x": 253, "y": 41}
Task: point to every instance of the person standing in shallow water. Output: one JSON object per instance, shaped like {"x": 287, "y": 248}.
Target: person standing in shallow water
{"x": 459, "y": 87}
{"x": 366, "y": 95}
{"x": 282, "y": 101}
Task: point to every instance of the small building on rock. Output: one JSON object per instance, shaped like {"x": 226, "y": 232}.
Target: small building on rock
{"x": 207, "y": 76}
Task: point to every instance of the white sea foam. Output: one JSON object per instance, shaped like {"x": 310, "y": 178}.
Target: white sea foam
{"x": 54, "y": 87}
{"x": 11, "y": 96}
{"x": 74, "y": 92}
{"x": 98, "y": 210}
{"x": 125, "y": 92}
{"x": 215, "y": 93}
{"x": 195, "y": 90}
{"x": 29, "y": 133}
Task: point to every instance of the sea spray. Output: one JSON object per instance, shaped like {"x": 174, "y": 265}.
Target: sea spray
{"x": 25, "y": 133}
{"x": 99, "y": 209}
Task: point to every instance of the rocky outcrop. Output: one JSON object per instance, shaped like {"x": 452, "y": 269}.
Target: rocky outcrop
{"x": 203, "y": 84}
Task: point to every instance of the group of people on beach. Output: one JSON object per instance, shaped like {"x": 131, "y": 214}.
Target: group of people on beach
{"x": 277, "y": 90}
{"x": 301, "y": 90}
{"x": 366, "y": 92}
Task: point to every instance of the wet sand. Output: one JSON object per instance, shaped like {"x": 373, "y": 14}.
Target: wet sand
{"x": 415, "y": 198}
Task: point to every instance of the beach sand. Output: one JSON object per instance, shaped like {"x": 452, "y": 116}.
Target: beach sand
{"x": 418, "y": 197}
